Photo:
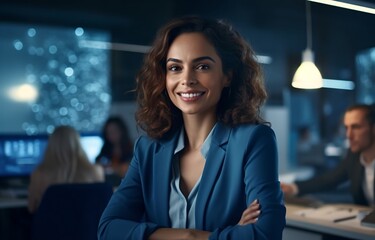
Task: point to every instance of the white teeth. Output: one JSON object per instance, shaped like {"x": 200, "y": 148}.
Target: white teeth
{"x": 190, "y": 95}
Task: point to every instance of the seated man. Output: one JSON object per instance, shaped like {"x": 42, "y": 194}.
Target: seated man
{"x": 358, "y": 166}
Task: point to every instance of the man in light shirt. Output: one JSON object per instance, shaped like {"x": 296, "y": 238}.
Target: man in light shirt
{"x": 358, "y": 166}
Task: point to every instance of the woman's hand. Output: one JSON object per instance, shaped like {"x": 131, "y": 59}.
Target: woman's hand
{"x": 179, "y": 234}
{"x": 289, "y": 189}
{"x": 251, "y": 214}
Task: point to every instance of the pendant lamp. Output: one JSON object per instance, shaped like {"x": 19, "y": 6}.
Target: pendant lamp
{"x": 307, "y": 75}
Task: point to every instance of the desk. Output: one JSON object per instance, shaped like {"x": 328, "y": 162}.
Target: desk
{"x": 297, "y": 225}
{"x": 12, "y": 202}
{"x": 13, "y": 198}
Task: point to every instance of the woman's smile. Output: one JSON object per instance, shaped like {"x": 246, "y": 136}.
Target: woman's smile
{"x": 190, "y": 96}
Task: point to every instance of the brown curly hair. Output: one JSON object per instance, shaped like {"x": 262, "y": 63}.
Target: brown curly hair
{"x": 239, "y": 103}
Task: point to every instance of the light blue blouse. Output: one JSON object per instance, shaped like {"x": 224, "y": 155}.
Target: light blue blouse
{"x": 181, "y": 209}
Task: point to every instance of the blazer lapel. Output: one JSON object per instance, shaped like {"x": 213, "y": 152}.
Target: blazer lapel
{"x": 214, "y": 161}
{"x": 163, "y": 174}
{"x": 358, "y": 172}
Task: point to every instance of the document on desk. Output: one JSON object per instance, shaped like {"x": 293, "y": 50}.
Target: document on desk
{"x": 329, "y": 213}
{"x": 369, "y": 219}
{"x": 356, "y": 223}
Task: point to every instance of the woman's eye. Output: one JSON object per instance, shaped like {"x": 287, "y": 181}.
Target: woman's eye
{"x": 203, "y": 67}
{"x": 174, "y": 68}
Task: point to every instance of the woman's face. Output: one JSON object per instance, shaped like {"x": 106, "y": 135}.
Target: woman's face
{"x": 194, "y": 78}
{"x": 113, "y": 133}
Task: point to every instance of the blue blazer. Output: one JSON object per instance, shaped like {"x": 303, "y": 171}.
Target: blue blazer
{"x": 241, "y": 166}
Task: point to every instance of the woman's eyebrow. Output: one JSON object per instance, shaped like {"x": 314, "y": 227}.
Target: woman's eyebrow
{"x": 174, "y": 60}
{"x": 195, "y": 60}
{"x": 204, "y": 58}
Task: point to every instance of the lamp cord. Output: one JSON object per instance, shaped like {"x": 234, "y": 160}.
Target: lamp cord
{"x": 308, "y": 25}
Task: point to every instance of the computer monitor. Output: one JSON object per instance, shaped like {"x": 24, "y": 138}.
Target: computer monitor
{"x": 92, "y": 144}
{"x": 20, "y": 154}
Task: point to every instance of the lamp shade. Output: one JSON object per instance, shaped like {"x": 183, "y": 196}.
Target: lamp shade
{"x": 307, "y": 75}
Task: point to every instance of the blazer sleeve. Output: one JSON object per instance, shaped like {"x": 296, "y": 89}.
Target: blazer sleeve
{"x": 122, "y": 218}
{"x": 261, "y": 182}
{"x": 327, "y": 181}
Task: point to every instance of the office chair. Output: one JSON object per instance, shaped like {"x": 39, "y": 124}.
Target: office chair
{"x": 70, "y": 211}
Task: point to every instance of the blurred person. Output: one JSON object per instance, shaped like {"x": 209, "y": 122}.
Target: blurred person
{"x": 207, "y": 168}
{"x": 358, "y": 165}
{"x": 117, "y": 149}
{"x": 309, "y": 150}
{"x": 306, "y": 140}
{"x": 64, "y": 161}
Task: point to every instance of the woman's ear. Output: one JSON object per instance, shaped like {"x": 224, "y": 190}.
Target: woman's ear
{"x": 228, "y": 79}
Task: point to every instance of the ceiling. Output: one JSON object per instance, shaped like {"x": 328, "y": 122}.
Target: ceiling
{"x": 274, "y": 28}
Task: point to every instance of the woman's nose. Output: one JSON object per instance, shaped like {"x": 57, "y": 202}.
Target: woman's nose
{"x": 189, "y": 78}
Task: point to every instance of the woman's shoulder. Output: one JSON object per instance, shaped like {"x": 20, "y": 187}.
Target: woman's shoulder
{"x": 251, "y": 129}
{"x": 42, "y": 177}
{"x": 90, "y": 173}
{"x": 147, "y": 146}
{"x": 145, "y": 141}
{"x": 250, "y": 134}
{"x": 100, "y": 173}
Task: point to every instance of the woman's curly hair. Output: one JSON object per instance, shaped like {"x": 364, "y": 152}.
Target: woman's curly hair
{"x": 239, "y": 103}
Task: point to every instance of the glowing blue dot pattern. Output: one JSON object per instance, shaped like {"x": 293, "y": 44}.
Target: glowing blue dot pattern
{"x": 71, "y": 80}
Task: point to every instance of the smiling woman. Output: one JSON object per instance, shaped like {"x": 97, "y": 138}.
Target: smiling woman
{"x": 203, "y": 171}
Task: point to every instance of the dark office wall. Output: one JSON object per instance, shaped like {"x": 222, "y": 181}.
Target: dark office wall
{"x": 275, "y": 28}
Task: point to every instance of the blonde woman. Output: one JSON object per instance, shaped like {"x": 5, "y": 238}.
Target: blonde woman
{"x": 64, "y": 162}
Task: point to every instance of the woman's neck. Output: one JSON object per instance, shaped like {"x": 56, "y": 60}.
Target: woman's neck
{"x": 197, "y": 130}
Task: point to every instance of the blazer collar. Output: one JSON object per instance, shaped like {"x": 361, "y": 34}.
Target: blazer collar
{"x": 214, "y": 161}
{"x": 163, "y": 170}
